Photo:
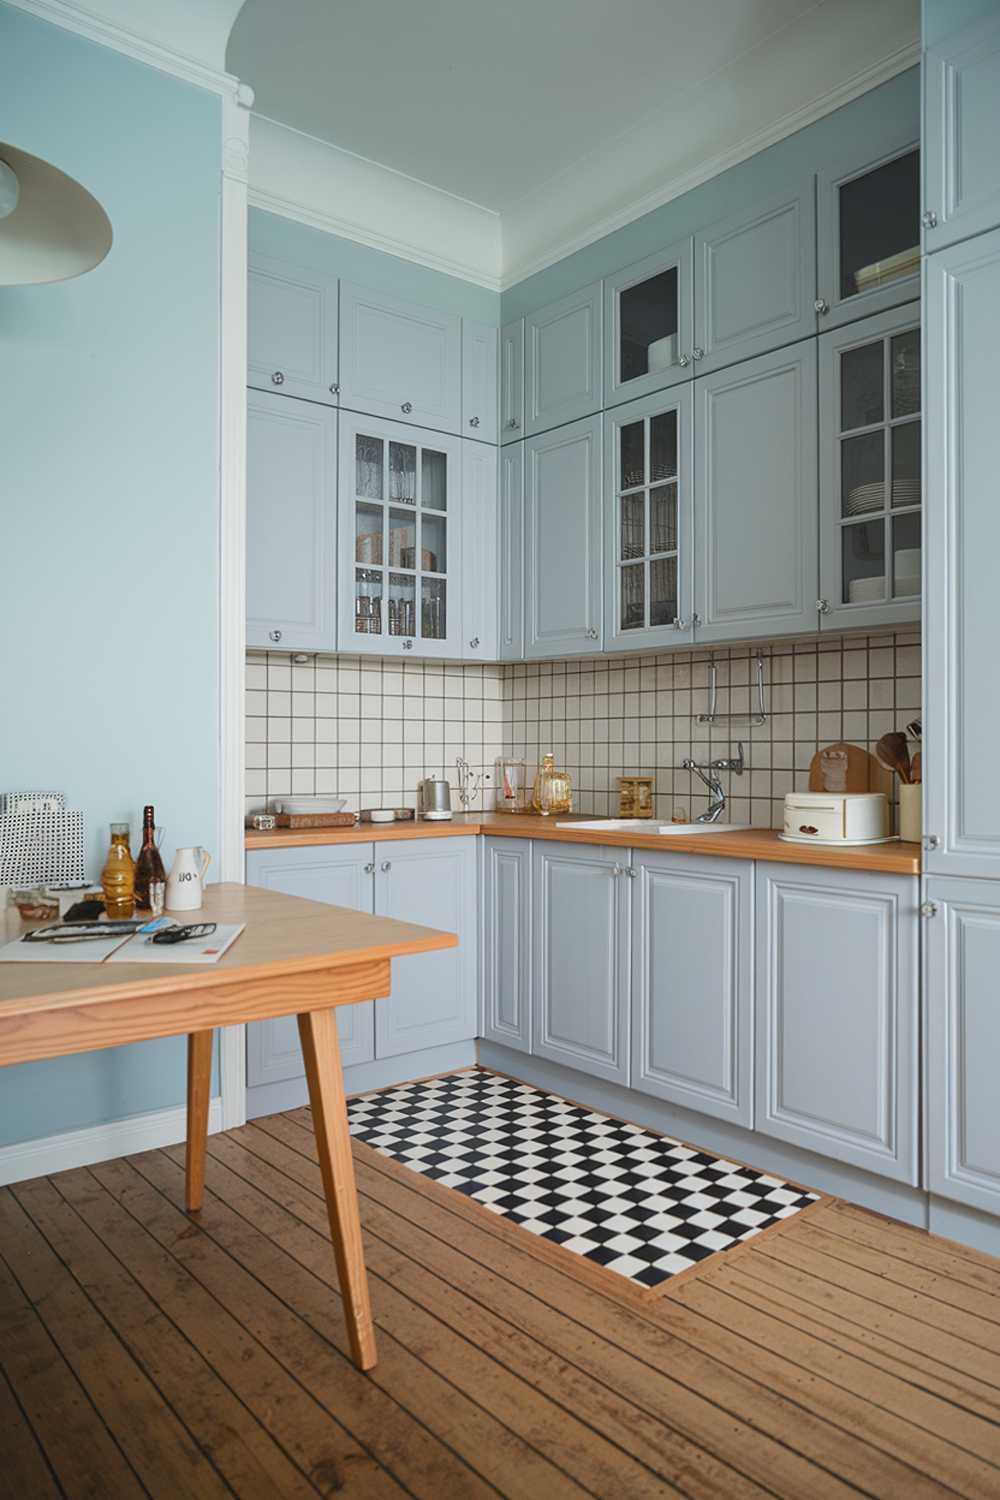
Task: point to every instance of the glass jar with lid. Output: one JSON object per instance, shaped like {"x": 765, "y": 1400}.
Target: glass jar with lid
{"x": 553, "y": 791}
{"x": 511, "y": 781}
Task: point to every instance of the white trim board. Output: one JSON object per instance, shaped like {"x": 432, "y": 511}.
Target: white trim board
{"x": 94, "y": 1143}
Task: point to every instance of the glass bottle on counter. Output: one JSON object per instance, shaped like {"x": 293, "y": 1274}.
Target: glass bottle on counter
{"x": 118, "y": 876}
{"x": 150, "y": 876}
{"x": 553, "y": 791}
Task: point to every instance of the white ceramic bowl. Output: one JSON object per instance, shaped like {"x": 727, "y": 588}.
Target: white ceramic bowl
{"x": 907, "y": 562}
{"x": 297, "y": 806}
{"x": 383, "y": 815}
{"x": 662, "y": 353}
{"x": 865, "y": 590}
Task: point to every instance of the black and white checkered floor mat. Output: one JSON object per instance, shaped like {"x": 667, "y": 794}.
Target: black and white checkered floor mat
{"x": 640, "y": 1204}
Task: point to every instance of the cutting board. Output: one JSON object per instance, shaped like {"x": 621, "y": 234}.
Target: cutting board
{"x": 847, "y": 768}
{"x": 316, "y": 820}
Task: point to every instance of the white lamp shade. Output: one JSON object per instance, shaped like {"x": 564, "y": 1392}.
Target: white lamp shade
{"x": 57, "y": 228}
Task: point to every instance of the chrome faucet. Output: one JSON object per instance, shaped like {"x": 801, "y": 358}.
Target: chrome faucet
{"x": 717, "y": 802}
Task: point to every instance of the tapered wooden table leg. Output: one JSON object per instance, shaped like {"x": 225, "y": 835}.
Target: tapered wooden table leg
{"x": 198, "y": 1091}
{"x": 321, "y": 1051}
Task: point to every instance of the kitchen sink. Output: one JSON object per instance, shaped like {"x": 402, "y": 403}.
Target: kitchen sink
{"x": 623, "y": 825}
{"x": 688, "y": 828}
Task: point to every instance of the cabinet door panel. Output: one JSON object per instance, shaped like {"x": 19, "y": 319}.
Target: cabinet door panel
{"x": 339, "y": 877}
{"x": 692, "y": 979}
{"x": 507, "y": 937}
{"x": 479, "y": 381}
{"x": 563, "y": 361}
{"x": 963, "y": 1026}
{"x": 580, "y": 966}
{"x": 433, "y": 999}
{"x": 512, "y": 382}
{"x": 961, "y": 162}
{"x": 756, "y": 513}
{"x": 291, "y": 523}
{"x": 401, "y": 361}
{"x": 649, "y": 317}
{"x": 755, "y": 280}
{"x": 962, "y": 791}
{"x": 479, "y": 582}
{"x": 868, "y": 229}
{"x": 292, "y": 346}
{"x": 512, "y": 598}
{"x": 562, "y": 540}
{"x": 837, "y": 1015}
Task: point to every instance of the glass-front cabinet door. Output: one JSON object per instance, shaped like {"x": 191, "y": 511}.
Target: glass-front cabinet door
{"x": 649, "y": 317}
{"x": 648, "y": 545}
{"x": 400, "y": 521}
{"x": 868, "y": 235}
{"x": 870, "y": 472}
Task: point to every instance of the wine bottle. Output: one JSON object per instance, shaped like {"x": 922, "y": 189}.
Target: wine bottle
{"x": 149, "y": 871}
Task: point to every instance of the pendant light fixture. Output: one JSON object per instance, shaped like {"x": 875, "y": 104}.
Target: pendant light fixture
{"x": 51, "y": 228}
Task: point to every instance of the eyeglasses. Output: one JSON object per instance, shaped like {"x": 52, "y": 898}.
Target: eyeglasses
{"x": 81, "y": 932}
{"x": 183, "y": 934}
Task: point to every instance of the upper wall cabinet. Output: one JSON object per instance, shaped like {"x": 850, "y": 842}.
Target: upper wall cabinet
{"x": 870, "y": 471}
{"x": 291, "y": 523}
{"x": 400, "y": 361}
{"x": 868, "y": 231}
{"x": 563, "y": 361}
{"x": 756, "y": 529}
{"x": 479, "y": 381}
{"x": 291, "y": 331}
{"x": 562, "y": 541}
{"x": 512, "y": 381}
{"x": 648, "y": 314}
{"x": 755, "y": 277}
{"x": 399, "y": 539}
{"x": 479, "y": 552}
{"x": 961, "y": 161}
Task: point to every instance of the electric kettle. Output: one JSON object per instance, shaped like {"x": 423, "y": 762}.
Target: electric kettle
{"x": 434, "y": 799}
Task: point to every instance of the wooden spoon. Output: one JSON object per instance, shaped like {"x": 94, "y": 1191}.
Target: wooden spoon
{"x": 892, "y": 752}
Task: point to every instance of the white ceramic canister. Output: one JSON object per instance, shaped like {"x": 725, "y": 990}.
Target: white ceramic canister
{"x": 186, "y": 881}
{"x": 911, "y": 824}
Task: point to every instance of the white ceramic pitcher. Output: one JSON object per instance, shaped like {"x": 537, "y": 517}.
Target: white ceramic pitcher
{"x": 186, "y": 881}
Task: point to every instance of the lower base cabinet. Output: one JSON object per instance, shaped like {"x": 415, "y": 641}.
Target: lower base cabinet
{"x": 692, "y": 982}
{"x": 837, "y": 1015}
{"x": 507, "y": 942}
{"x": 580, "y": 957}
{"x": 962, "y": 958}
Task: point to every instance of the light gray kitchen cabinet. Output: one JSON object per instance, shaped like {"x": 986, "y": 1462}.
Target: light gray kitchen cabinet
{"x": 433, "y": 1001}
{"x": 756, "y": 510}
{"x": 562, "y": 541}
{"x": 580, "y": 964}
{"x": 692, "y": 982}
{"x": 479, "y": 580}
{"x": 837, "y": 1014}
{"x": 649, "y": 318}
{"x": 291, "y": 523}
{"x": 962, "y": 708}
{"x": 510, "y": 500}
{"x": 868, "y": 228}
{"x": 399, "y": 360}
{"x": 400, "y": 539}
{"x": 962, "y": 957}
{"x": 870, "y": 481}
{"x": 479, "y": 381}
{"x": 563, "y": 361}
{"x": 961, "y": 125}
{"x": 649, "y": 526}
{"x": 512, "y": 381}
{"x": 755, "y": 279}
{"x": 337, "y": 876}
{"x": 507, "y": 941}
{"x": 292, "y": 344}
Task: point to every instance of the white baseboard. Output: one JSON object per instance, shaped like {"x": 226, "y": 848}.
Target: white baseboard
{"x": 82, "y": 1148}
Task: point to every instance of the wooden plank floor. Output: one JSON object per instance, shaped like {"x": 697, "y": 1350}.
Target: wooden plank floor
{"x": 142, "y": 1353}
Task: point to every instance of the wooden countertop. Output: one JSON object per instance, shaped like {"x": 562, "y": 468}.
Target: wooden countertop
{"x": 751, "y": 843}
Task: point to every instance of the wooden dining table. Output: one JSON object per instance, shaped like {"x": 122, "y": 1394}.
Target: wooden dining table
{"x": 295, "y": 957}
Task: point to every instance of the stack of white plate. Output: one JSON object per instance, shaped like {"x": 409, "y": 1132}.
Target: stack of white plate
{"x": 864, "y": 498}
{"x": 866, "y": 590}
{"x": 906, "y": 492}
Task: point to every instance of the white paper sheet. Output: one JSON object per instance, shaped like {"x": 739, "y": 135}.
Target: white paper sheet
{"x": 136, "y": 950}
{"x": 89, "y": 951}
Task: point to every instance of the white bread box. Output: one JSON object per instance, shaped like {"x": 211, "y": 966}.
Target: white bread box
{"x": 836, "y": 817}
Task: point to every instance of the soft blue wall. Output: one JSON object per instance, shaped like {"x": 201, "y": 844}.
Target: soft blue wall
{"x": 109, "y": 506}
{"x": 941, "y": 18}
{"x": 285, "y": 239}
{"x": 768, "y": 172}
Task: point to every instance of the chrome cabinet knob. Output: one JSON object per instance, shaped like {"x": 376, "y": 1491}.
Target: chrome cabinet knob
{"x": 821, "y": 305}
{"x": 277, "y": 378}
{"x": 407, "y": 406}
{"x": 929, "y": 219}
{"x": 335, "y": 389}
{"x": 370, "y": 869}
{"x": 928, "y": 908}
{"x": 823, "y": 605}
{"x": 679, "y": 624}
{"x": 697, "y": 352}
{"x": 385, "y": 865}
{"x": 275, "y": 635}
{"x": 684, "y": 360}
{"x": 616, "y": 871}
{"x": 592, "y": 633}
{"x": 632, "y": 874}
{"x": 474, "y": 643}
{"x": 931, "y": 841}
{"x": 696, "y": 619}
{"x": 473, "y": 421}
{"x": 407, "y": 645}
{"x": 512, "y": 423}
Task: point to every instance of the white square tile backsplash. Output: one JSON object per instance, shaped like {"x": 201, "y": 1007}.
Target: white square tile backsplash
{"x": 369, "y": 730}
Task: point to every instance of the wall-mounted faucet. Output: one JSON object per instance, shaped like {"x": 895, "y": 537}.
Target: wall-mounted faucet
{"x": 717, "y": 802}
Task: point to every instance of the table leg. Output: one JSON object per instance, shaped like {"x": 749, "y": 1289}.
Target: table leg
{"x": 199, "y": 1088}
{"x": 321, "y": 1051}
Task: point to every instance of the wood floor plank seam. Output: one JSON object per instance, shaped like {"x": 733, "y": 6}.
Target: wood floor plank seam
{"x": 43, "y": 1457}
{"x": 577, "y": 1415}
{"x": 973, "y": 1258}
{"x": 926, "y": 1251}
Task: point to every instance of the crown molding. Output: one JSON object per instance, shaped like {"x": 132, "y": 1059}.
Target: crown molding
{"x": 309, "y": 180}
{"x": 106, "y": 33}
